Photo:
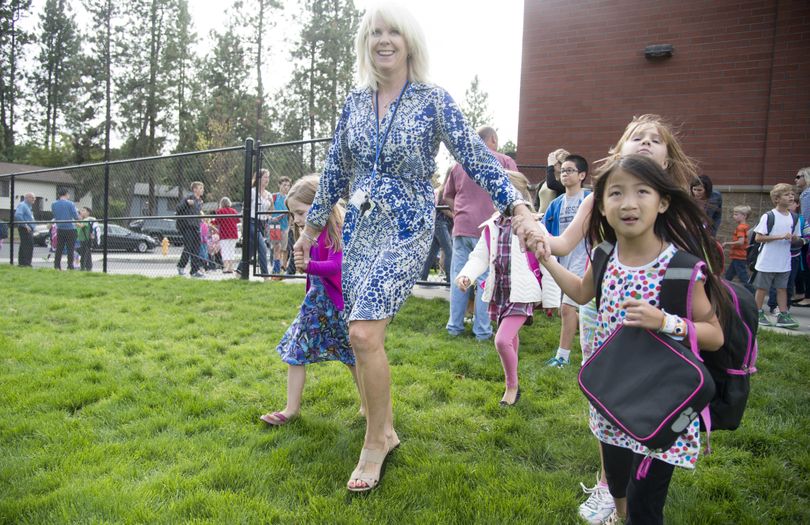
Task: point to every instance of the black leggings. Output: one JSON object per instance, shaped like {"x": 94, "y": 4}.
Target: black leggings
{"x": 645, "y": 497}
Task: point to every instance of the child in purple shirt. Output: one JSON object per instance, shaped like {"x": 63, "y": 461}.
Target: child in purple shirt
{"x": 319, "y": 332}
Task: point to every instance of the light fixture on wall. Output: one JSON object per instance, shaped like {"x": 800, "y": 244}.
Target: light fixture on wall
{"x": 657, "y": 51}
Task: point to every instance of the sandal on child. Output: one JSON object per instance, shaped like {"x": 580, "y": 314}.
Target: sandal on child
{"x": 374, "y": 456}
{"x": 276, "y": 419}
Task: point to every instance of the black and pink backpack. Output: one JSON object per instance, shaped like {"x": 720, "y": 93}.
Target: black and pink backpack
{"x": 730, "y": 368}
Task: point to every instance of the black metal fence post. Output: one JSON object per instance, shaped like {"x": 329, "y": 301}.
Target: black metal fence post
{"x": 246, "y": 204}
{"x": 106, "y": 215}
{"x": 11, "y": 222}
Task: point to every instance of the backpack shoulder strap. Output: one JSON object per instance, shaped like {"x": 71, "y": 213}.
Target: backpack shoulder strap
{"x": 534, "y": 266}
{"x": 676, "y": 287}
{"x": 769, "y": 221}
{"x": 601, "y": 255}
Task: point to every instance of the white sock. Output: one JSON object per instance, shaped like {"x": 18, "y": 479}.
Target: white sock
{"x": 564, "y": 354}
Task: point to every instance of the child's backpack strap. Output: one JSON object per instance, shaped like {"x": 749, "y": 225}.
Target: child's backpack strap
{"x": 534, "y": 266}
{"x": 601, "y": 255}
{"x": 676, "y": 298}
{"x": 676, "y": 287}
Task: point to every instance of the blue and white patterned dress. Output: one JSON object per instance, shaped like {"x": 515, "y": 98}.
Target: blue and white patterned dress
{"x": 384, "y": 250}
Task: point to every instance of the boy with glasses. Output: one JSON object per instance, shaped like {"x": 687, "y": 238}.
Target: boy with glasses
{"x": 557, "y": 217}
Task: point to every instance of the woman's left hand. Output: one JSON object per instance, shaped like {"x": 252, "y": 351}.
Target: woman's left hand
{"x": 642, "y": 314}
{"x": 301, "y": 253}
{"x": 531, "y": 233}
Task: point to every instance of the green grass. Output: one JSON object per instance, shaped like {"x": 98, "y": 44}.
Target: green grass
{"x": 136, "y": 400}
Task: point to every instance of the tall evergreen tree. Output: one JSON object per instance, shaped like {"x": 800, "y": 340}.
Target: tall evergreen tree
{"x": 57, "y": 74}
{"x": 324, "y": 65}
{"x": 98, "y": 78}
{"x": 12, "y": 40}
{"x": 260, "y": 23}
{"x": 226, "y": 116}
{"x": 475, "y": 107}
{"x": 144, "y": 94}
{"x": 181, "y": 57}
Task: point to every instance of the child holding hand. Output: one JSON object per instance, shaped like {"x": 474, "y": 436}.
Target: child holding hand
{"x": 319, "y": 332}
{"x": 648, "y": 217}
{"x": 511, "y": 289}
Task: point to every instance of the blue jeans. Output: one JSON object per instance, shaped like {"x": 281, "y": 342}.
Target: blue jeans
{"x": 739, "y": 268}
{"x": 482, "y": 328}
{"x": 443, "y": 240}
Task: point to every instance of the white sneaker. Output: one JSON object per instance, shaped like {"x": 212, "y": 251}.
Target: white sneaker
{"x": 599, "y": 506}
{"x": 614, "y": 519}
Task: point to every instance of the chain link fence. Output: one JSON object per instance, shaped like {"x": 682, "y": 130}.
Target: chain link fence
{"x": 134, "y": 219}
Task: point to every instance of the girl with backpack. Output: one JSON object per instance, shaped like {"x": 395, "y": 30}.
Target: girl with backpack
{"x": 651, "y": 136}
{"x": 319, "y": 332}
{"x": 648, "y": 217}
{"x": 511, "y": 289}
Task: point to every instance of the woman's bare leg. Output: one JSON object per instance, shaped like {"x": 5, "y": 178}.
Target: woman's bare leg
{"x": 374, "y": 378}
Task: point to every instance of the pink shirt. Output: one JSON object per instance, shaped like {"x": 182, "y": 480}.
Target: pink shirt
{"x": 326, "y": 264}
{"x": 472, "y": 204}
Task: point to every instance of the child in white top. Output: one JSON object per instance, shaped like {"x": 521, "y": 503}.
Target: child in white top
{"x": 646, "y": 214}
{"x": 773, "y": 261}
{"x": 511, "y": 287}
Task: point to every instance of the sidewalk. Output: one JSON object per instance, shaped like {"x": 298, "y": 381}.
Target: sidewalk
{"x": 800, "y": 315}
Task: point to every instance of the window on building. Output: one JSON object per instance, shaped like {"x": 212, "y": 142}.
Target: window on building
{"x": 5, "y": 185}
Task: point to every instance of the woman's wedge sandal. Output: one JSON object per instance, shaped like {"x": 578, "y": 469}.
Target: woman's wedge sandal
{"x": 374, "y": 456}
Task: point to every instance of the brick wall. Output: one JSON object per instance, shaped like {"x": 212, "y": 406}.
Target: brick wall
{"x": 738, "y": 83}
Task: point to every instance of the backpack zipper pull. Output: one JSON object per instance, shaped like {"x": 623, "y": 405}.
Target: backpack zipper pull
{"x": 644, "y": 466}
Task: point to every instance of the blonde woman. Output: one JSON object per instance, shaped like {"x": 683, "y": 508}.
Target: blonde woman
{"x": 382, "y": 158}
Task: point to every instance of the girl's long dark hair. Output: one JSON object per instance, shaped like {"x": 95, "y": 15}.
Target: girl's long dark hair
{"x": 682, "y": 224}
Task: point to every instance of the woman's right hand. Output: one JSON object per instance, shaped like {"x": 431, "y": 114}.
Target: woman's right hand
{"x": 463, "y": 282}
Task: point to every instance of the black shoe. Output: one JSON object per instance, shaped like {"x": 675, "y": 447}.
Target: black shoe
{"x": 517, "y": 398}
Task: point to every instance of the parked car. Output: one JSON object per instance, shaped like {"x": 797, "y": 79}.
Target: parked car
{"x": 123, "y": 239}
{"x": 42, "y": 235}
{"x": 158, "y": 229}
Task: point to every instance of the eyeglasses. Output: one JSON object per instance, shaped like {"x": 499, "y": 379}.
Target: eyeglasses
{"x": 569, "y": 171}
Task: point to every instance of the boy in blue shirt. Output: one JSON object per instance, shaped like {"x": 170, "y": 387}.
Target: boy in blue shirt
{"x": 558, "y": 216}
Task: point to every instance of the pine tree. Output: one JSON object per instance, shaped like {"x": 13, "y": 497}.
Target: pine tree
{"x": 145, "y": 92}
{"x": 57, "y": 76}
{"x": 180, "y": 53}
{"x": 324, "y": 65}
{"x": 12, "y": 41}
{"x": 98, "y": 86}
{"x": 475, "y": 107}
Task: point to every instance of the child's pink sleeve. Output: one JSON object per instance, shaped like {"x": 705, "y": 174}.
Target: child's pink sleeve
{"x": 331, "y": 266}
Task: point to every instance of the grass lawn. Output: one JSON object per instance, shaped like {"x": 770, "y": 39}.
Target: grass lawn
{"x": 136, "y": 400}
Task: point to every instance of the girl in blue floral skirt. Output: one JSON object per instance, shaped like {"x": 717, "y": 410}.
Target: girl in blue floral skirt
{"x": 319, "y": 332}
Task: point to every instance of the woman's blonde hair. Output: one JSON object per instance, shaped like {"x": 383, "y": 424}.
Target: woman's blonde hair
{"x": 679, "y": 166}
{"x": 303, "y": 191}
{"x": 521, "y": 183}
{"x": 403, "y": 21}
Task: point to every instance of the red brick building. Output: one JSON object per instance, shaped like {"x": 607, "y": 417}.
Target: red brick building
{"x": 738, "y": 82}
